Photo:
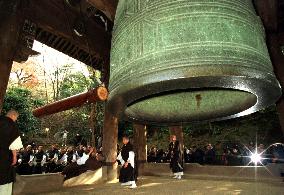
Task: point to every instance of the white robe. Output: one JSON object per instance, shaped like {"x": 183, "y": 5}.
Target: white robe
{"x": 83, "y": 159}
{"x": 130, "y": 158}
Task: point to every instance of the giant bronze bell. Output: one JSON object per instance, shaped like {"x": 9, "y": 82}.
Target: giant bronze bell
{"x": 189, "y": 60}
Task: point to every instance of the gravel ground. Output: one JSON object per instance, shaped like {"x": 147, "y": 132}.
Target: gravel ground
{"x": 165, "y": 186}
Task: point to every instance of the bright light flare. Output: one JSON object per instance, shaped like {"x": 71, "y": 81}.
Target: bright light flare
{"x": 255, "y": 158}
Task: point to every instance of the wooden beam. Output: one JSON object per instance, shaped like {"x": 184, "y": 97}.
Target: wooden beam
{"x": 98, "y": 94}
{"x": 108, "y": 7}
{"x": 268, "y": 11}
{"x": 57, "y": 18}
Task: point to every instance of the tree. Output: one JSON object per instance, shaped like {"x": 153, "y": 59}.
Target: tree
{"x": 78, "y": 120}
{"x": 21, "y": 100}
{"x": 57, "y": 78}
{"x": 25, "y": 74}
{"x": 73, "y": 84}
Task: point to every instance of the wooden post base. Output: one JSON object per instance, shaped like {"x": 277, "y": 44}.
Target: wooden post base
{"x": 110, "y": 133}
{"x": 140, "y": 146}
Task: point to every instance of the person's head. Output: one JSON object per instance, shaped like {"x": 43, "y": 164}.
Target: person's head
{"x": 94, "y": 152}
{"x": 12, "y": 114}
{"x": 209, "y": 147}
{"x": 40, "y": 148}
{"x": 174, "y": 138}
{"x": 194, "y": 148}
{"x": 70, "y": 149}
{"x": 125, "y": 139}
{"x": 62, "y": 151}
{"x": 29, "y": 147}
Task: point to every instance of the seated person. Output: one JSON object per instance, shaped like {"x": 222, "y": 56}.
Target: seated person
{"x": 90, "y": 161}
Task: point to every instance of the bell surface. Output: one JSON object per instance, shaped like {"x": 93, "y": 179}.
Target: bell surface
{"x": 189, "y": 60}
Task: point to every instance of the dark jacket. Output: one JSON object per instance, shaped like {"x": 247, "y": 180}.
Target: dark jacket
{"x": 9, "y": 132}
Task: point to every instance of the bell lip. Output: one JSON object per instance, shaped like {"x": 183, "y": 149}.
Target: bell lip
{"x": 247, "y": 101}
{"x": 264, "y": 86}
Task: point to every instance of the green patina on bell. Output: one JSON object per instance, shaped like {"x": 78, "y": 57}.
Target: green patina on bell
{"x": 189, "y": 60}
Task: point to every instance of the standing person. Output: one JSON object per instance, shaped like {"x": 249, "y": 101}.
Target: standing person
{"x": 10, "y": 141}
{"x": 126, "y": 157}
{"x": 209, "y": 155}
{"x": 176, "y": 158}
{"x": 64, "y": 137}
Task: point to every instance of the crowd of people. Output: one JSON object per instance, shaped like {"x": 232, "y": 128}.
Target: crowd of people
{"x": 36, "y": 160}
{"x": 229, "y": 154}
{"x": 72, "y": 161}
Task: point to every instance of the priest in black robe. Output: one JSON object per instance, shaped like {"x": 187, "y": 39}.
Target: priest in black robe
{"x": 176, "y": 158}
{"x": 10, "y": 142}
{"x": 126, "y": 157}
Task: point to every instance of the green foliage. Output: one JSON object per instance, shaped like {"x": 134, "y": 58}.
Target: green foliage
{"x": 74, "y": 84}
{"x": 262, "y": 126}
{"x": 77, "y": 120}
{"x": 74, "y": 121}
{"x": 21, "y": 100}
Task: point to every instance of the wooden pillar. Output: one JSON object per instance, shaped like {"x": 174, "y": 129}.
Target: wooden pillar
{"x": 110, "y": 134}
{"x": 140, "y": 146}
{"x": 9, "y": 31}
{"x": 177, "y": 130}
{"x": 5, "y": 69}
{"x": 277, "y": 58}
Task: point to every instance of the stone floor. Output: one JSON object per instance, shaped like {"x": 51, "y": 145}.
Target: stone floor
{"x": 164, "y": 186}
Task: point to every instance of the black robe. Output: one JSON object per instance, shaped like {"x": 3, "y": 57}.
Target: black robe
{"x": 51, "y": 165}
{"x": 9, "y": 132}
{"x": 176, "y": 157}
{"x": 38, "y": 169}
{"x": 129, "y": 173}
{"x": 24, "y": 168}
{"x": 69, "y": 157}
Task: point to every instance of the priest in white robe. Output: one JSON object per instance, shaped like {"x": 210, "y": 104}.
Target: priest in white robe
{"x": 126, "y": 157}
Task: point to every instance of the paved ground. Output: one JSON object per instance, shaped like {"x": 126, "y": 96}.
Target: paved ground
{"x": 165, "y": 186}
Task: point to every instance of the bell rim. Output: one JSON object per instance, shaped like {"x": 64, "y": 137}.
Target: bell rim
{"x": 264, "y": 86}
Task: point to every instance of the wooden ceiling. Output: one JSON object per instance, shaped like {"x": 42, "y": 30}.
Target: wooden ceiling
{"x": 73, "y": 27}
